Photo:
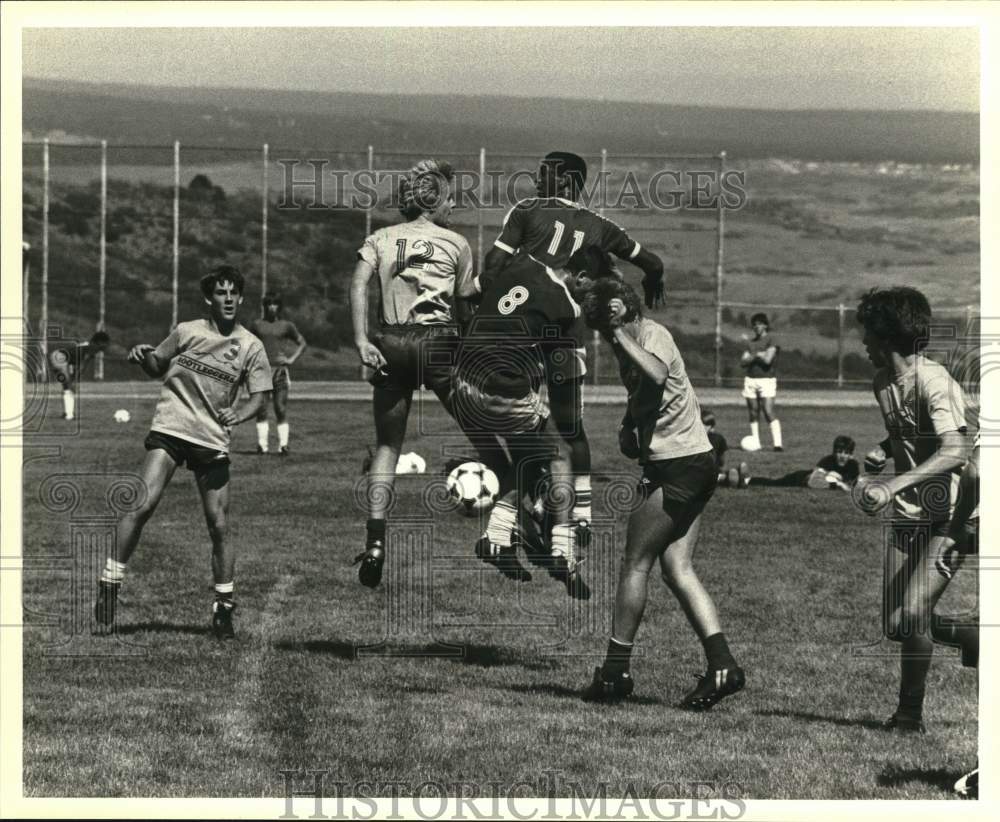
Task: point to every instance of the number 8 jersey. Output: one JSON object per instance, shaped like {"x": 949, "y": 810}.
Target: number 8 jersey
{"x": 420, "y": 266}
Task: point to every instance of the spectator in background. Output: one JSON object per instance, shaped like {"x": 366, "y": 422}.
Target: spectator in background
{"x": 760, "y": 385}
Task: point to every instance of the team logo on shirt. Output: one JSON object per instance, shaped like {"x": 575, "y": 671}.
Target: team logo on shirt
{"x": 203, "y": 369}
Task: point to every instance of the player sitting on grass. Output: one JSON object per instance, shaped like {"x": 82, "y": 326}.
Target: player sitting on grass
{"x": 662, "y": 428}
{"x": 551, "y": 228}
{"x": 719, "y": 449}
{"x": 273, "y": 330}
{"x": 67, "y": 362}
{"x": 421, "y": 265}
{"x": 838, "y": 469}
{"x": 519, "y": 331}
{"x": 924, "y": 413}
{"x": 203, "y": 363}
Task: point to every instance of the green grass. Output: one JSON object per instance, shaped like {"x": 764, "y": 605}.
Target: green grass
{"x": 795, "y": 573}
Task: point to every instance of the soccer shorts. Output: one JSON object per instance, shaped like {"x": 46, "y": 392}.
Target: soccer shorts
{"x": 416, "y": 355}
{"x": 280, "y": 378}
{"x": 196, "y": 457}
{"x": 763, "y": 388}
{"x": 481, "y": 411}
{"x": 687, "y": 484}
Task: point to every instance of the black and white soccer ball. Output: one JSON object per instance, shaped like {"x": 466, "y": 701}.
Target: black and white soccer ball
{"x": 474, "y": 487}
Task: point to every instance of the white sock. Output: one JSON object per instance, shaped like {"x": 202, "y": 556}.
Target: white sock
{"x": 503, "y": 518}
{"x": 113, "y": 571}
{"x": 69, "y": 404}
{"x": 582, "y": 497}
{"x": 282, "y": 434}
{"x": 263, "y": 428}
{"x": 562, "y": 540}
{"x": 776, "y": 433}
{"x": 755, "y": 430}
{"x": 224, "y": 593}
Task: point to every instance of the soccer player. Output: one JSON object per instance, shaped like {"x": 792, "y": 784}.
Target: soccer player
{"x": 67, "y": 363}
{"x": 838, "y": 469}
{"x": 520, "y": 330}
{"x": 760, "y": 385}
{"x": 719, "y": 449}
{"x": 924, "y": 413}
{"x": 421, "y": 265}
{"x": 273, "y": 331}
{"x": 551, "y": 228}
{"x": 203, "y": 364}
{"x": 661, "y": 428}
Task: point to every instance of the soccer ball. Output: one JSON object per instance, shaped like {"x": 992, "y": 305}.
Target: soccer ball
{"x": 750, "y": 443}
{"x": 121, "y": 415}
{"x": 474, "y": 487}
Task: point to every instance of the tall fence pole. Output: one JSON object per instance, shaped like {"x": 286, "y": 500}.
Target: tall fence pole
{"x": 719, "y": 258}
{"x": 371, "y": 180}
{"x": 26, "y": 260}
{"x": 604, "y": 182}
{"x": 480, "y": 254}
{"x": 102, "y": 310}
{"x": 263, "y": 227}
{"x": 44, "y": 330}
{"x": 841, "y": 312}
{"x": 177, "y": 232}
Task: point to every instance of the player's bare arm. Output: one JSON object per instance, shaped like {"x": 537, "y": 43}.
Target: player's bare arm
{"x": 496, "y": 260}
{"x": 368, "y": 352}
{"x": 245, "y": 409}
{"x": 652, "y": 367}
{"x": 144, "y": 355}
{"x": 652, "y": 282}
{"x": 301, "y": 346}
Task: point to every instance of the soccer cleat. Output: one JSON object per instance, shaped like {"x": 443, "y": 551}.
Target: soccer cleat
{"x": 902, "y": 724}
{"x": 744, "y": 470}
{"x": 104, "y": 607}
{"x": 733, "y": 478}
{"x": 568, "y": 573}
{"x": 222, "y": 619}
{"x": 712, "y": 687}
{"x": 283, "y": 451}
{"x": 615, "y": 689}
{"x": 261, "y": 449}
{"x": 778, "y": 448}
{"x": 372, "y": 559}
{"x": 582, "y": 533}
{"x": 968, "y": 786}
{"x": 503, "y": 558}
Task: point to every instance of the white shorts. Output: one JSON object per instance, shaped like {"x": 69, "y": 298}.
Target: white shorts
{"x": 765, "y": 388}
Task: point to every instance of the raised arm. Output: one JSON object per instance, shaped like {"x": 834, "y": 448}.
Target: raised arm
{"x": 652, "y": 282}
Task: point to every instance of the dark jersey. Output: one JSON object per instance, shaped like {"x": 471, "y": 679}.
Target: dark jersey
{"x": 719, "y": 448}
{"x": 758, "y": 368}
{"x": 552, "y": 229}
{"x": 523, "y": 319}
{"x": 849, "y": 473}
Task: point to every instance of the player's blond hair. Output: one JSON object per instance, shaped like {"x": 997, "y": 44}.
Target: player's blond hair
{"x": 424, "y": 187}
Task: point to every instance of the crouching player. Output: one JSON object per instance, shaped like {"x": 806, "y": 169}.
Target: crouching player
{"x": 924, "y": 413}
{"x": 204, "y": 363}
{"x": 67, "y": 362}
{"x": 662, "y": 428}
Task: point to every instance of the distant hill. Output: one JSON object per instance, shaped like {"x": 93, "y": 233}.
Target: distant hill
{"x": 452, "y": 123}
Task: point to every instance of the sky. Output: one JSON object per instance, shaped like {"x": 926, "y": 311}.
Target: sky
{"x": 777, "y": 68}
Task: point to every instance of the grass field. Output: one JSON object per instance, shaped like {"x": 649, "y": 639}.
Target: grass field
{"x": 328, "y": 675}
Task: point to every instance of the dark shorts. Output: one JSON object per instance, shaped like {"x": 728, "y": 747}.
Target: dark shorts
{"x": 687, "y": 484}
{"x": 182, "y": 452}
{"x": 416, "y": 355}
{"x": 280, "y": 378}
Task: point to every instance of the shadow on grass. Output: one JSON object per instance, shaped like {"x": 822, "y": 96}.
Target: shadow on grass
{"x": 574, "y": 693}
{"x": 893, "y": 776}
{"x": 871, "y": 724}
{"x": 484, "y": 656}
{"x": 157, "y": 627}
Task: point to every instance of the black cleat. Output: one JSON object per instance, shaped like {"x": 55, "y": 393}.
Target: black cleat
{"x": 104, "y": 607}
{"x": 712, "y": 687}
{"x": 261, "y": 449}
{"x": 778, "y": 448}
{"x": 372, "y": 559}
{"x": 503, "y": 558}
{"x": 582, "y": 532}
{"x": 615, "y": 689}
{"x": 902, "y": 724}
{"x": 222, "y": 619}
{"x": 968, "y": 786}
{"x": 569, "y": 575}
{"x": 283, "y": 451}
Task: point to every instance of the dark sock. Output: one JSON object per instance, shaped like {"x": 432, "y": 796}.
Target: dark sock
{"x": 911, "y": 703}
{"x": 617, "y": 658}
{"x": 717, "y": 652}
{"x": 376, "y": 530}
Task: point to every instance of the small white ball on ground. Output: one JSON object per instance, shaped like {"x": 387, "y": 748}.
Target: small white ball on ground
{"x": 121, "y": 415}
{"x": 750, "y": 443}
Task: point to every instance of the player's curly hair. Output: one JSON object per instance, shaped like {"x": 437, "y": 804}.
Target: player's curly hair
{"x": 760, "y": 317}
{"x": 100, "y": 338}
{"x": 221, "y": 274}
{"x": 424, "y": 187}
{"x": 597, "y": 302}
{"x": 899, "y": 315}
{"x": 569, "y": 165}
{"x": 843, "y": 443}
{"x": 595, "y": 261}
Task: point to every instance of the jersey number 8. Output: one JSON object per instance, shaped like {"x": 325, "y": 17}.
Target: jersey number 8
{"x": 518, "y": 295}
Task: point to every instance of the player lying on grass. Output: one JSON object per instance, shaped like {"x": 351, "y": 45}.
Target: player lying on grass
{"x": 421, "y": 265}
{"x": 662, "y": 428}
{"x": 924, "y": 413}
{"x": 66, "y": 364}
{"x": 838, "y": 469}
{"x": 551, "y": 228}
{"x": 203, "y": 363}
{"x": 521, "y": 330}
{"x": 273, "y": 332}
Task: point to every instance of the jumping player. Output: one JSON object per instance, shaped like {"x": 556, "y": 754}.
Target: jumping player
{"x": 551, "y": 228}
{"x": 66, "y": 364}
{"x": 662, "y": 428}
{"x": 760, "y": 385}
{"x": 203, "y": 363}
{"x": 924, "y": 413}
{"x": 421, "y": 265}
{"x": 273, "y": 331}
